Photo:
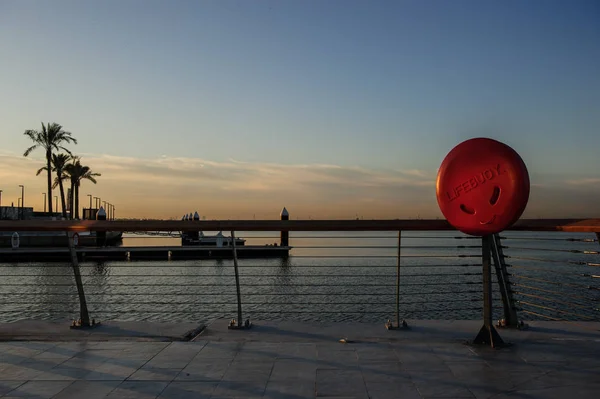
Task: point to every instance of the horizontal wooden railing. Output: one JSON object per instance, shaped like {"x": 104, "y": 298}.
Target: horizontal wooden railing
{"x": 567, "y": 225}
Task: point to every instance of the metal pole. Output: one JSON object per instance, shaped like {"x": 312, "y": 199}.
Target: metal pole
{"x": 398, "y": 278}
{"x": 44, "y": 202}
{"x": 510, "y": 314}
{"x": 399, "y": 324}
{"x": 83, "y": 310}
{"x": 56, "y": 202}
{"x": 487, "y": 334}
{"x": 90, "y": 195}
{"x": 240, "y": 323}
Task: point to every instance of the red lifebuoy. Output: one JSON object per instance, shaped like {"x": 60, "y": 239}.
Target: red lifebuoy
{"x": 482, "y": 186}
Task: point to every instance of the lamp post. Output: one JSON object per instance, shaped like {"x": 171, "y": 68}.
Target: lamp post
{"x": 96, "y": 202}
{"x": 22, "y": 200}
{"x": 44, "y": 202}
{"x": 108, "y": 211}
{"x": 90, "y": 195}
{"x": 56, "y": 202}
{"x": 104, "y": 202}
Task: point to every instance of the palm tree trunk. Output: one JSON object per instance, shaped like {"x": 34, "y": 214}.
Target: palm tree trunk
{"x": 77, "y": 201}
{"x": 71, "y": 197}
{"x": 62, "y": 199}
{"x": 48, "y": 165}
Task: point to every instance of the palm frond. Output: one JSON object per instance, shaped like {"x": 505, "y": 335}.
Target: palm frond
{"x": 28, "y": 151}
{"x": 40, "y": 170}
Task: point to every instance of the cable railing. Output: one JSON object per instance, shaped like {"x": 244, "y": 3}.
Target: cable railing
{"x": 369, "y": 275}
{"x": 561, "y": 282}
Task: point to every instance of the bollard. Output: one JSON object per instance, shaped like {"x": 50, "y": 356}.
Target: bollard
{"x": 285, "y": 235}
{"x": 101, "y": 235}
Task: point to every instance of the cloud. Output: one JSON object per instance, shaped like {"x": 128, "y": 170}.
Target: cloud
{"x": 584, "y": 181}
{"x": 168, "y": 186}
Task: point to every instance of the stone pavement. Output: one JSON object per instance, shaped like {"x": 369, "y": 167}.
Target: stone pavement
{"x": 302, "y": 360}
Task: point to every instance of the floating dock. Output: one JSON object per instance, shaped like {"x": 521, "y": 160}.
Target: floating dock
{"x": 8, "y": 255}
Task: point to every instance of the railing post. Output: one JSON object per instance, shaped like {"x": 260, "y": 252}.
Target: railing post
{"x": 488, "y": 334}
{"x": 510, "y": 313}
{"x": 598, "y": 237}
{"x": 84, "y": 316}
{"x": 399, "y": 324}
{"x": 237, "y": 324}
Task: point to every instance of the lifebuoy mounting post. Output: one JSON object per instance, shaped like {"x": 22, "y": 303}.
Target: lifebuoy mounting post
{"x": 482, "y": 189}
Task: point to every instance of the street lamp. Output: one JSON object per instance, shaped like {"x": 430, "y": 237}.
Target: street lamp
{"x": 96, "y": 202}
{"x": 22, "y": 200}
{"x": 90, "y": 195}
{"x": 104, "y": 202}
{"x": 44, "y": 202}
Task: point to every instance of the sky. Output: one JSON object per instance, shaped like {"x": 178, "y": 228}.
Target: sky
{"x": 333, "y": 109}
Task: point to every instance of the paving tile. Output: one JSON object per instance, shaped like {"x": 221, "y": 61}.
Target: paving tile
{"x": 589, "y": 391}
{"x": 39, "y": 389}
{"x": 390, "y": 372}
{"x": 379, "y": 351}
{"x": 204, "y": 371}
{"x": 87, "y": 390}
{"x": 7, "y": 386}
{"x": 290, "y": 389}
{"x": 110, "y": 372}
{"x": 392, "y": 390}
{"x": 188, "y": 389}
{"x": 152, "y": 374}
{"x": 248, "y": 371}
{"x": 176, "y": 355}
{"x": 452, "y": 352}
{"x": 439, "y": 384}
{"x": 291, "y": 369}
{"x": 240, "y": 388}
{"x": 295, "y": 350}
{"x": 340, "y": 383}
{"x": 138, "y": 390}
{"x": 21, "y": 371}
{"x": 219, "y": 350}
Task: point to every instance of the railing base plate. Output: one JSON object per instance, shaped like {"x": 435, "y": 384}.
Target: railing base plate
{"x": 234, "y": 326}
{"x": 77, "y": 325}
{"x": 391, "y": 326}
{"x": 519, "y": 326}
{"x": 489, "y": 336}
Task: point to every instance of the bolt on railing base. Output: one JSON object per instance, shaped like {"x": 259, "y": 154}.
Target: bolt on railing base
{"x": 519, "y": 326}
{"x": 403, "y": 325}
{"x": 78, "y": 325}
{"x": 489, "y": 336}
{"x": 234, "y": 326}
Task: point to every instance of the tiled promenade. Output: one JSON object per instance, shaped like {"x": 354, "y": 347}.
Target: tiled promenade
{"x": 300, "y": 360}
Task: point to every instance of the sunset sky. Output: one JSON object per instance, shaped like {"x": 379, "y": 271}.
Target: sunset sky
{"x": 334, "y": 109}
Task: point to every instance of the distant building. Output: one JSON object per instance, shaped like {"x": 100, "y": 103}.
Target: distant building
{"x": 14, "y": 213}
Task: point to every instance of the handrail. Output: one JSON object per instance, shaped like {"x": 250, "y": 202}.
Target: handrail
{"x": 566, "y": 225}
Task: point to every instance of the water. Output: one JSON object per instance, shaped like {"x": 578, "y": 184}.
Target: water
{"x": 328, "y": 277}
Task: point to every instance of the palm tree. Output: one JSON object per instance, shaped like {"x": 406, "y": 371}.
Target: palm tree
{"x": 76, "y": 173}
{"x": 51, "y": 137}
{"x": 59, "y": 164}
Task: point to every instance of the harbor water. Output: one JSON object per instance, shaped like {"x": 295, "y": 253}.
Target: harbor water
{"x": 329, "y": 276}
